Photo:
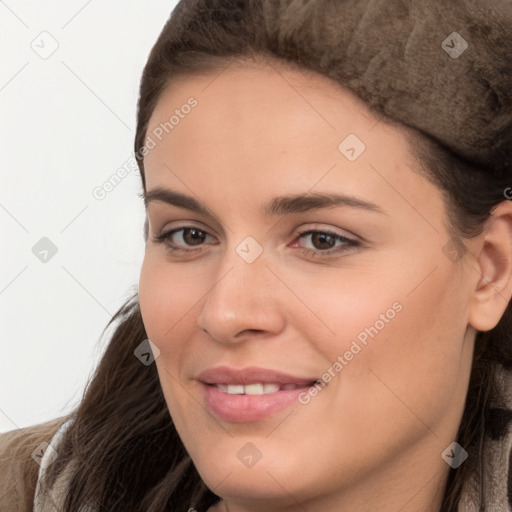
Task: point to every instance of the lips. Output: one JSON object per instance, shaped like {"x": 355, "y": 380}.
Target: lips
{"x": 251, "y": 375}
{"x": 250, "y": 394}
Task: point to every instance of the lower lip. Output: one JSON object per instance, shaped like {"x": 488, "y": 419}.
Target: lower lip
{"x": 247, "y": 408}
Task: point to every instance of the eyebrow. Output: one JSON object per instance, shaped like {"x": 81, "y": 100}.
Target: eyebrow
{"x": 282, "y": 205}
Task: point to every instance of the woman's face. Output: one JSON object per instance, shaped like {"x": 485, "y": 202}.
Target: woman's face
{"x": 303, "y": 243}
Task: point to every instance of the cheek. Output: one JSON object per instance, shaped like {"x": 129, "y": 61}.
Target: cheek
{"x": 411, "y": 369}
{"x": 169, "y": 297}
{"x": 425, "y": 343}
{"x": 166, "y": 297}
{"x": 166, "y": 304}
{"x": 342, "y": 310}
{"x": 400, "y": 338}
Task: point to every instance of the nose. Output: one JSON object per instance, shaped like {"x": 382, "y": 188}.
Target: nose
{"x": 245, "y": 301}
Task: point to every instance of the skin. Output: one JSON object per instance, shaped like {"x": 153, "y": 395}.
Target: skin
{"x": 372, "y": 438}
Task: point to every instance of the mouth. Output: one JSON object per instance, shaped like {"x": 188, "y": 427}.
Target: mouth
{"x": 250, "y": 394}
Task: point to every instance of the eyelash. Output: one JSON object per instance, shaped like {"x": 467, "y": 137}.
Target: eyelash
{"x": 348, "y": 242}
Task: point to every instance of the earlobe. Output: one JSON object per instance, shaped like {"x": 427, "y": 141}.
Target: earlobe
{"x": 494, "y": 264}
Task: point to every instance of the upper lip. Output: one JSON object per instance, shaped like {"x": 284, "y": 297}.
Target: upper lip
{"x": 250, "y": 375}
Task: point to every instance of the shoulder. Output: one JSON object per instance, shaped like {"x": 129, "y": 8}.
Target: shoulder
{"x": 18, "y": 469}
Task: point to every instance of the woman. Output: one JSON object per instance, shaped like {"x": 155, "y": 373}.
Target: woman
{"x": 327, "y": 275}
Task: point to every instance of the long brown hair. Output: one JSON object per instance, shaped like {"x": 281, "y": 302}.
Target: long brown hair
{"x": 457, "y": 116}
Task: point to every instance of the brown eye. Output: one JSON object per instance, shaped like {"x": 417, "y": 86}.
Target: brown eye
{"x": 322, "y": 240}
{"x": 193, "y": 236}
{"x": 181, "y": 239}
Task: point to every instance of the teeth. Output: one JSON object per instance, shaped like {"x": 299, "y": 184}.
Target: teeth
{"x": 270, "y": 388}
{"x": 251, "y": 389}
{"x": 235, "y": 389}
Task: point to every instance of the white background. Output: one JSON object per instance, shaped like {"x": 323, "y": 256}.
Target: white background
{"x": 67, "y": 123}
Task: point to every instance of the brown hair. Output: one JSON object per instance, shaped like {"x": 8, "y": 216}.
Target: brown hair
{"x": 456, "y": 111}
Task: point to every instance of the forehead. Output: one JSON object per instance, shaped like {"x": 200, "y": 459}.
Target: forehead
{"x": 255, "y": 127}
{"x": 266, "y": 109}
{"x": 249, "y": 92}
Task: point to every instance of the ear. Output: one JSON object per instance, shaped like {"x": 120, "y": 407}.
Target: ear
{"x": 494, "y": 263}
